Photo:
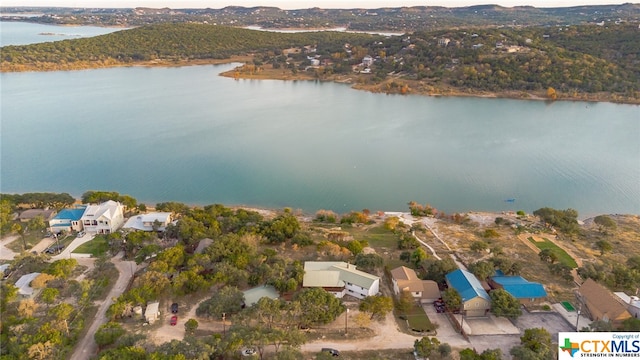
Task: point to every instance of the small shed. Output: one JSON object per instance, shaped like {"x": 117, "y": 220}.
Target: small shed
{"x": 151, "y": 313}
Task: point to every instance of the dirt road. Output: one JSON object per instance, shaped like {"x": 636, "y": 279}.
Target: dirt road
{"x": 87, "y": 347}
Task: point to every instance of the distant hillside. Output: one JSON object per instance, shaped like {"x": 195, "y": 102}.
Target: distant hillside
{"x": 390, "y": 19}
{"x": 573, "y": 62}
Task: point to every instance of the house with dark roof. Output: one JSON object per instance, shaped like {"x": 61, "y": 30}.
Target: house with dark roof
{"x": 598, "y": 303}
{"x": 46, "y": 214}
{"x": 528, "y": 293}
{"x": 67, "y": 220}
{"x": 475, "y": 299}
{"x": 406, "y": 279}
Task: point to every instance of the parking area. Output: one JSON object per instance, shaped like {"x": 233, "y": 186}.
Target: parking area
{"x": 552, "y": 321}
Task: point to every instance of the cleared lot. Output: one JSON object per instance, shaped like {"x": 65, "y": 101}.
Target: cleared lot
{"x": 553, "y": 322}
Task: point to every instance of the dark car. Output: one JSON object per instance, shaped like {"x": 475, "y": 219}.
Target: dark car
{"x": 333, "y": 352}
{"x": 54, "y": 249}
{"x": 174, "y": 320}
{"x": 174, "y": 308}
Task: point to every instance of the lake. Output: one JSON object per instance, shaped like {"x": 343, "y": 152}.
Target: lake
{"x": 186, "y": 134}
{"x": 23, "y": 33}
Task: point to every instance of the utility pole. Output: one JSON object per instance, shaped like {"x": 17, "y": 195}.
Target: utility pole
{"x": 224, "y": 330}
{"x": 346, "y": 322}
{"x": 578, "y": 316}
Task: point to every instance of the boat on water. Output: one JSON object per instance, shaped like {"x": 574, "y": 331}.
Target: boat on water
{"x": 511, "y": 200}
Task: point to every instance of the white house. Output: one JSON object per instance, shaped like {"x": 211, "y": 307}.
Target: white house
{"x": 367, "y": 60}
{"x": 340, "y": 278}
{"x": 145, "y": 222}
{"x": 67, "y": 220}
{"x": 104, "y": 218}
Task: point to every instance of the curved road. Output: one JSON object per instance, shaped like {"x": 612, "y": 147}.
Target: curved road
{"x": 87, "y": 347}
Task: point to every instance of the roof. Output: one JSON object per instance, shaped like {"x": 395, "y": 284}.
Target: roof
{"x": 108, "y": 209}
{"x": 602, "y": 300}
{"x": 335, "y": 274}
{"x": 430, "y": 289}
{"x": 70, "y": 214}
{"x": 143, "y": 221}
{"x": 33, "y": 213}
{"x": 407, "y": 279}
{"x": 520, "y": 288}
{"x": 152, "y": 308}
{"x": 23, "y": 283}
{"x": 628, "y": 300}
{"x": 467, "y": 285}
{"x": 252, "y": 296}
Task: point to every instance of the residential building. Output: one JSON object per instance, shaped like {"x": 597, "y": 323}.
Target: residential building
{"x": 598, "y": 303}
{"x": 475, "y": 299}
{"x": 67, "y": 220}
{"x": 105, "y": 218}
{"x": 631, "y": 302}
{"x": 24, "y": 284}
{"x": 367, "y": 60}
{"x": 340, "y": 278}
{"x": 149, "y": 222}
{"x": 31, "y": 214}
{"x": 151, "y": 313}
{"x": 528, "y": 293}
{"x": 406, "y": 279}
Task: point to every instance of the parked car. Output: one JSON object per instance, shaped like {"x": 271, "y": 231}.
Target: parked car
{"x": 174, "y": 320}
{"x": 174, "y": 308}
{"x": 81, "y": 234}
{"x": 54, "y": 249}
{"x": 333, "y": 352}
{"x": 248, "y": 352}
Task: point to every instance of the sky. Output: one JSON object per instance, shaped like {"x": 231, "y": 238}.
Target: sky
{"x": 301, "y": 4}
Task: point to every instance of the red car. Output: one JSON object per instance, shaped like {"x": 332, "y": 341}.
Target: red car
{"x": 174, "y": 320}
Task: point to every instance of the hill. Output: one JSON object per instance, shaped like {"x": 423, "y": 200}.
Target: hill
{"x": 587, "y": 62}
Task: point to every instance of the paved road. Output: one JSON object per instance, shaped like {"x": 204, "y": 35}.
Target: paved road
{"x": 5, "y": 252}
{"x": 87, "y": 347}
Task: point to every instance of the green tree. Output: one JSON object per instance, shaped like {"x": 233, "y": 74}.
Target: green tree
{"x": 368, "y": 262}
{"x": 605, "y": 223}
{"x": 452, "y": 299}
{"x": 504, "y": 304}
{"x": 418, "y": 255}
{"x": 426, "y": 346}
{"x": 48, "y": 295}
{"x": 437, "y": 269}
{"x": 227, "y": 300}
{"x": 479, "y": 246}
{"x": 534, "y": 344}
{"x": 320, "y": 306}
{"x": 604, "y": 246}
{"x": 548, "y": 256}
{"x": 378, "y": 306}
{"x": 482, "y": 269}
{"x": 108, "y": 333}
{"x": 191, "y": 326}
{"x": 62, "y": 268}
{"x": 630, "y": 324}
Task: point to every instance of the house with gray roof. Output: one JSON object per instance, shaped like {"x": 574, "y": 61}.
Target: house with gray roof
{"x": 475, "y": 299}
{"x": 340, "y": 278}
{"x": 157, "y": 221}
{"x": 24, "y": 284}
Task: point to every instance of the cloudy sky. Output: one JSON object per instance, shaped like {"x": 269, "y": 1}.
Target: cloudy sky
{"x": 300, "y": 4}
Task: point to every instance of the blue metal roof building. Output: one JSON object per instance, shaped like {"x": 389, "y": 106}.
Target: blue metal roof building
{"x": 519, "y": 287}
{"x": 467, "y": 285}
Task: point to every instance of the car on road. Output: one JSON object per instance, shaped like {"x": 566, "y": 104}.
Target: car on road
{"x": 174, "y": 308}
{"x": 333, "y": 352}
{"x": 174, "y": 320}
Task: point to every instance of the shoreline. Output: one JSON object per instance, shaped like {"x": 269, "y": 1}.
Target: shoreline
{"x": 357, "y": 81}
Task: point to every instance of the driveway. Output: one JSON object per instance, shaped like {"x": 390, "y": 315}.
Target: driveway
{"x": 5, "y": 252}
{"x": 551, "y": 321}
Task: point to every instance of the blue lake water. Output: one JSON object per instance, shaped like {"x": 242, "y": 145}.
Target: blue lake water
{"x": 186, "y": 134}
{"x": 23, "y": 33}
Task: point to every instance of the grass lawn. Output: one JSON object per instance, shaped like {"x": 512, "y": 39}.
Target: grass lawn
{"x": 376, "y": 236}
{"x": 96, "y": 247}
{"x": 563, "y": 257}
{"x": 418, "y": 319}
